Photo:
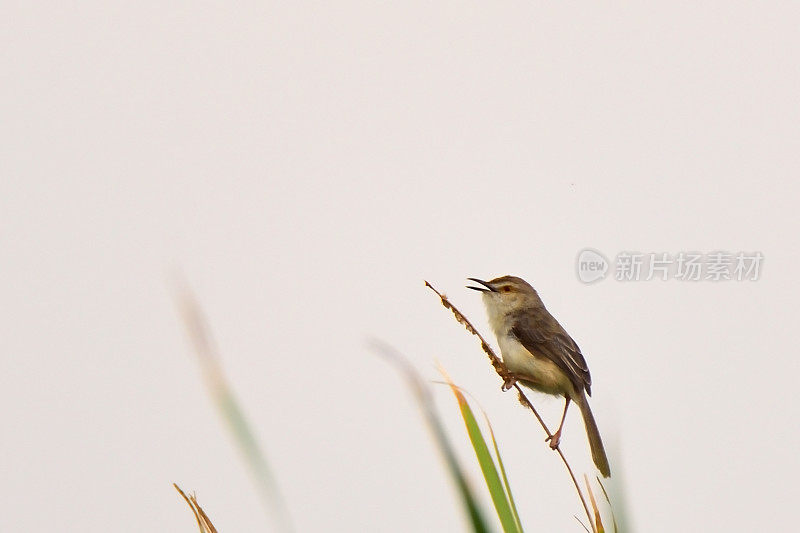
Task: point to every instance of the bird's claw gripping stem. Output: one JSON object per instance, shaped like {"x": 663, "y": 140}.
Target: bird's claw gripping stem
{"x": 508, "y": 382}
{"x": 554, "y": 439}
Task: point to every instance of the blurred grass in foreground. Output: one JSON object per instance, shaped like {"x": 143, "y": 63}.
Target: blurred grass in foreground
{"x": 425, "y": 402}
{"x": 232, "y": 414}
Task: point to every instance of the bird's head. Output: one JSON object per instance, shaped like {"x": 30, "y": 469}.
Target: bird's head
{"x": 506, "y": 294}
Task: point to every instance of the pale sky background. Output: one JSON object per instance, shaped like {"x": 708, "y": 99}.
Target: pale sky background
{"x": 306, "y": 166}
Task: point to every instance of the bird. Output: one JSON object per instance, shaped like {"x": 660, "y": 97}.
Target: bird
{"x": 540, "y": 354}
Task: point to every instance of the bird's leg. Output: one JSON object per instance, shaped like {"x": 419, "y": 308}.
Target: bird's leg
{"x": 509, "y": 380}
{"x": 556, "y": 437}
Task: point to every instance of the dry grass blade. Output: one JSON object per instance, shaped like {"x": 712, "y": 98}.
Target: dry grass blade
{"x": 598, "y": 522}
{"x": 503, "y": 372}
{"x": 203, "y": 522}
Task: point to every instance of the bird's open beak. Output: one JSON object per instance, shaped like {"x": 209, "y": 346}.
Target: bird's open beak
{"x": 488, "y": 288}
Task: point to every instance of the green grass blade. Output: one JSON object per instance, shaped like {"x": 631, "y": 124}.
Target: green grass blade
{"x": 232, "y": 414}
{"x": 422, "y": 395}
{"x": 497, "y": 454}
{"x": 503, "y": 474}
{"x": 497, "y": 489}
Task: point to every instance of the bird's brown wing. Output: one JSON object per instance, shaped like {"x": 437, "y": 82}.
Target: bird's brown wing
{"x": 542, "y": 335}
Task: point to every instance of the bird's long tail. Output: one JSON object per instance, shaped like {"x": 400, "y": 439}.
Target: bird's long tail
{"x": 593, "y": 434}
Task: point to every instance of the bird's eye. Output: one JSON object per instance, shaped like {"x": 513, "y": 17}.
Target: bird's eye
{"x": 506, "y": 289}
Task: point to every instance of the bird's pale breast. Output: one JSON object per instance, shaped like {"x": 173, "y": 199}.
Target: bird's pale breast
{"x": 539, "y": 372}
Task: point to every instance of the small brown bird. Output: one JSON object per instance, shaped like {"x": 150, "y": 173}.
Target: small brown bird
{"x": 539, "y": 353}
